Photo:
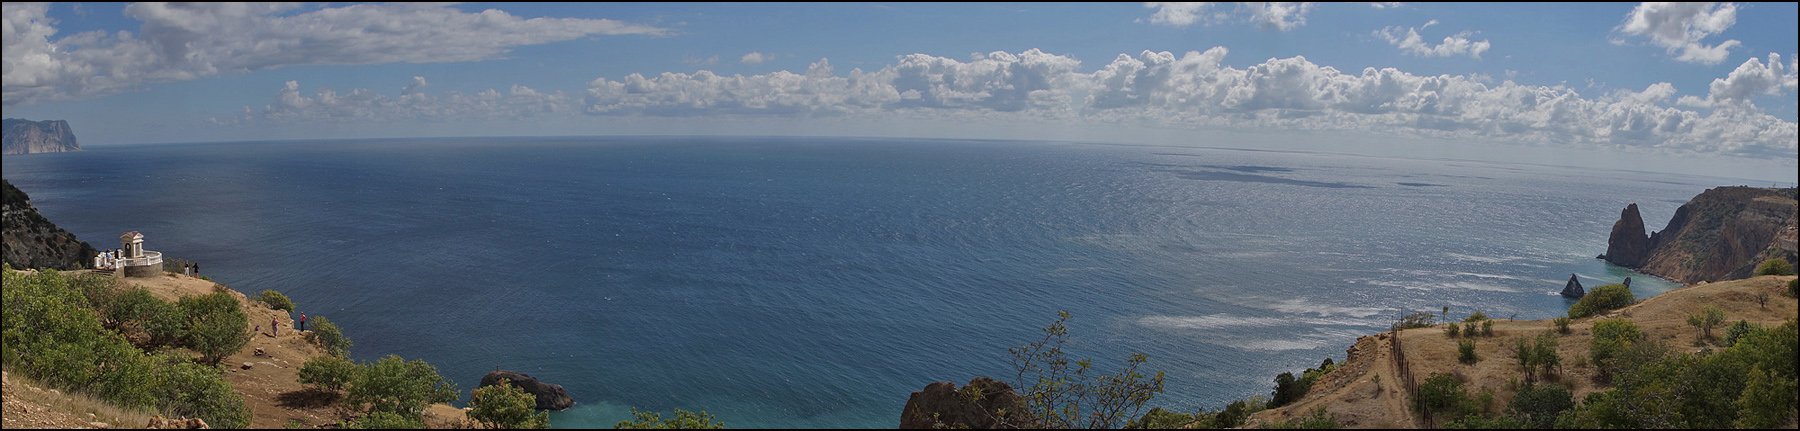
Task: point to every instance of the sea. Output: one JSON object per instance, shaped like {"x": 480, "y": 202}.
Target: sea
{"x": 817, "y": 282}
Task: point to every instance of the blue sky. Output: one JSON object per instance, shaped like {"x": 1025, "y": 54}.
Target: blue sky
{"x": 1702, "y": 88}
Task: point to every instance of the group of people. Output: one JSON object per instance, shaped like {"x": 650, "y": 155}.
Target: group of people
{"x": 275, "y": 325}
{"x": 108, "y": 259}
{"x": 190, "y": 269}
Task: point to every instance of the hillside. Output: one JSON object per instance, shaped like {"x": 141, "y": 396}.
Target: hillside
{"x": 31, "y": 241}
{"x": 1358, "y": 399}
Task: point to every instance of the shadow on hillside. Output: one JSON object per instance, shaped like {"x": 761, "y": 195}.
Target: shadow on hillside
{"x": 307, "y": 398}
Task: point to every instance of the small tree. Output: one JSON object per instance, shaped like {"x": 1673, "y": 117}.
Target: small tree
{"x": 327, "y": 336}
{"x": 1063, "y": 395}
{"x": 1453, "y": 330}
{"x": 1706, "y": 319}
{"x": 1540, "y": 405}
{"x": 215, "y": 326}
{"x": 504, "y": 406}
{"x": 1466, "y": 352}
{"x": 396, "y": 386}
{"x": 1562, "y": 324}
{"x": 329, "y": 373}
{"x": 1602, "y": 299}
{"x": 1776, "y": 266}
{"x": 1441, "y": 394}
{"x": 1487, "y": 328}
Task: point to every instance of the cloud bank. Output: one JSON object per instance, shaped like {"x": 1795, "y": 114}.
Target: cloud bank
{"x": 185, "y": 41}
{"x": 1194, "y": 90}
{"x": 1282, "y": 16}
{"x": 1412, "y": 43}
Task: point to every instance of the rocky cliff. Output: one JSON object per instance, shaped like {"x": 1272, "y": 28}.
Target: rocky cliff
{"x": 549, "y": 396}
{"x": 26, "y": 136}
{"x": 30, "y": 241}
{"x": 1722, "y": 234}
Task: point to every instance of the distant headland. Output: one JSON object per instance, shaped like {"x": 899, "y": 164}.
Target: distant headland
{"x": 1721, "y": 234}
{"x": 27, "y": 137}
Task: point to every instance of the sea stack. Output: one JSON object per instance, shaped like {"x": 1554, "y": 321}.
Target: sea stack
{"x": 1573, "y": 288}
{"x": 1629, "y": 246}
{"x": 549, "y": 396}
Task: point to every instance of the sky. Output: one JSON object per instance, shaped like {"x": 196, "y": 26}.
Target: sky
{"x": 1692, "y": 88}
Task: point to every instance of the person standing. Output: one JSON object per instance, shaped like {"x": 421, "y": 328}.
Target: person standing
{"x": 302, "y": 326}
{"x": 275, "y": 325}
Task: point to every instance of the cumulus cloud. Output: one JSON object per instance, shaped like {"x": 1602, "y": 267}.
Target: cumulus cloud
{"x": 1411, "y": 43}
{"x": 413, "y": 104}
{"x": 184, "y": 41}
{"x": 1751, "y": 79}
{"x": 754, "y": 58}
{"x": 1679, "y": 27}
{"x": 1277, "y": 15}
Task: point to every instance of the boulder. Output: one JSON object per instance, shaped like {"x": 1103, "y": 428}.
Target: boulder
{"x": 549, "y": 396}
{"x": 1573, "y": 288}
{"x": 942, "y": 405}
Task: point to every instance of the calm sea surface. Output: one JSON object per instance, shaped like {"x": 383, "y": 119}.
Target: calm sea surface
{"x": 817, "y": 282}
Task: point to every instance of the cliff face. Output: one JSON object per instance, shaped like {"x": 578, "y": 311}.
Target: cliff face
{"x": 25, "y": 137}
{"x": 30, "y": 241}
{"x": 1722, "y": 234}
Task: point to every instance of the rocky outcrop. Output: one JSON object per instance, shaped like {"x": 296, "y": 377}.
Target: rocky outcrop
{"x": 1573, "y": 288}
{"x": 1628, "y": 246}
{"x": 549, "y": 396}
{"x": 26, "y": 137}
{"x": 942, "y": 405}
{"x": 1722, "y": 234}
{"x": 29, "y": 241}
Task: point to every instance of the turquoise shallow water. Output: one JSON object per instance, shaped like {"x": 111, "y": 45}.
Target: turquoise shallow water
{"x": 817, "y": 282}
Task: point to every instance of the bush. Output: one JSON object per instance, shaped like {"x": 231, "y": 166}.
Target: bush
{"x": 1738, "y": 331}
{"x": 395, "y": 386}
{"x": 1477, "y": 317}
{"x": 138, "y": 312}
{"x": 1775, "y": 266}
{"x": 1157, "y": 418}
{"x": 330, "y": 373}
{"x": 186, "y": 389}
{"x": 1562, "y": 324}
{"x": 1602, "y": 299}
{"x": 1063, "y": 395}
{"x": 1487, "y": 328}
{"x": 1538, "y": 406}
{"x": 1453, "y": 330}
{"x": 1466, "y": 352}
{"x": 504, "y": 406}
{"x": 276, "y": 300}
{"x": 683, "y": 420}
{"x": 1422, "y": 319}
{"x": 1442, "y": 394}
{"x": 1611, "y": 336}
{"x": 1794, "y": 288}
{"x": 1317, "y": 419}
{"x": 327, "y": 336}
{"x": 215, "y": 325}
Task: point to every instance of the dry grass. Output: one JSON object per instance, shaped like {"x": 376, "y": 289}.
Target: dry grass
{"x": 78, "y": 406}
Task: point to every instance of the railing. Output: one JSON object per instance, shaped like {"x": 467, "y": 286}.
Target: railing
{"x": 151, "y": 258}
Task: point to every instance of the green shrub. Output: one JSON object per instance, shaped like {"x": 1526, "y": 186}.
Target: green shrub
{"x": 275, "y": 300}
{"x": 683, "y": 420}
{"x": 396, "y": 386}
{"x": 1794, "y": 288}
{"x": 1453, "y": 330}
{"x": 215, "y": 325}
{"x": 187, "y": 389}
{"x": 1466, "y": 352}
{"x": 1562, "y": 324}
{"x": 1317, "y": 419}
{"x": 1777, "y": 266}
{"x": 327, "y": 336}
{"x": 1538, "y": 406}
{"x": 1288, "y": 390}
{"x": 503, "y": 406}
{"x": 1602, "y": 299}
{"x": 1422, "y": 319}
{"x": 1442, "y": 394}
{"x": 1157, "y": 418}
{"x": 1738, "y": 331}
{"x": 138, "y": 312}
{"x": 330, "y": 373}
{"x": 1487, "y": 328}
{"x": 1611, "y": 336}
{"x": 387, "y": 420}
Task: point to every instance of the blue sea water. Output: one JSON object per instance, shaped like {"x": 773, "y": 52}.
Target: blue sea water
{"x": 817, "y": 282}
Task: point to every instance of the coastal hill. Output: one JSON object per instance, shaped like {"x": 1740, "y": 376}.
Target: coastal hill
{"x": 1367, "y": 388}
{"x": 1721, "y": 234}
{"x": 27, "y": 137}
{"x": 28, "y": 240}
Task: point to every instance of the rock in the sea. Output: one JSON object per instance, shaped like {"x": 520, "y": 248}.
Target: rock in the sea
{"x": 26, "y": 137}
{"x": 549, "y": 396}
{"x": 1574, "y": 290}
{"x": 942, "y": 405}
{"x": 1628, "y": 246}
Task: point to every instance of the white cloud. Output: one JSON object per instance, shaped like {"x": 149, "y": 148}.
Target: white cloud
{"x": 1386, "y": 5}
{"x": 1411, "y": 43}
{"x": 1681, "y": 26}
{"x": 1751, "y": 79}
{"x": 1194, "y": 90}
{"x": 184, "y": 41}
{"x": 1282, "y": 16}
{"x": 754, "y": 58}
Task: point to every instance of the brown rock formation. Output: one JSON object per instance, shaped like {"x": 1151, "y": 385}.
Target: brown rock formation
{"x": 1628, "y": 246}
{"x": 26, "y": 137}
{"x": 30, "y": 241}
{"x": 549, "y": 396}
{"x": 1722, "y": 234}
{"x": 942, "y": 405}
